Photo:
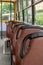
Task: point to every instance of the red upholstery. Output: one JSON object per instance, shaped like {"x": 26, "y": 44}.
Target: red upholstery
{"x": 35, "y": 55}
{"x": 18, "y": 43}
{"x": 13, "y": 40}
{"x": 9, "y": 28}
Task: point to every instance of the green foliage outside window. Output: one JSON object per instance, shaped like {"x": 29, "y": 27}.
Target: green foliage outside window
{"x": 6, "y": 8}
{"x": 39, "y": 18}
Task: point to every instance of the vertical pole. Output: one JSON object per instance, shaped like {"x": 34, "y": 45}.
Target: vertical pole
{"x": 23, "y": 15}
{"x": 33, "y": 13}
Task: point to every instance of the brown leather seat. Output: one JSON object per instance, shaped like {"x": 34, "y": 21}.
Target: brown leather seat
{"x": 35, "y": 54}
{"x": 12, "y": 30}
{"x": 14, "y": 35}
{"x": 10, "y": 27}
{"x": 17, "y": 45}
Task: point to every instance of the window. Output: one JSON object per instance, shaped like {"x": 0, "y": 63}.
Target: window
{"x": 18, "y": 5}
{"x": 7, "y": 11}
{"x": 18, "y": 16}
{"x": 21, "y": 16}
{"x": 0, "y": 26}
{"x": 6, "y": 14}
{"x": 24, "y": 4}
{"x": 29, "y": 15}
{"x": 28, "y": 2}
{"x": 25, "y": 15}
{"x": 0, "y": 11}
{"x": 21, "y": 4}
{"x": 36, "y": 1}
{"x": 5, "y": 17}
{"x": 39, "y": 14}
{"x": 31, "y": 11}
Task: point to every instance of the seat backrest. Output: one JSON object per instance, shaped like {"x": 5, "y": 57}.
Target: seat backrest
{"x": 35, "y": 53}
{"x": 17, "y": 45}
{"x": 15, "y": 30}
{"x": 10, "y": 28}
{"x": 28, "y": 27}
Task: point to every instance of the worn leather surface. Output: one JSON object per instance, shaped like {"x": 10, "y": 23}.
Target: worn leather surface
{"x": 28, "y": 37}
{"x": 17, "y": 45}
{"x": 35, "y": 55}
{"x": 13, "y": 40}
{"x": 10, "y": 28}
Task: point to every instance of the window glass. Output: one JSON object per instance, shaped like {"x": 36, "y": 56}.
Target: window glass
{"x": 0, "y": 10}
{"x": 21, "y": 16}
{"x": 3, "y": 26}
{"x": 7, "y": 11}
{"x": 39, "y": 14}
{"x": 5, "y": 17}
{"x": 18, "y": 5}
{"x": 29, "y": 15}
{"x": 0, "y": 16}
{"x": 36, "y": 1}
{"x": 25, "y": 15}
{"x": 28, "y": 2}
{"x": 12, "y": 8}
{"x": 24, "y": 4}
{"x": 6, "y": 14}
{"x": 0, "y": 26}
{"x": 21, "y": 4}
{"x": 18, "y": 16}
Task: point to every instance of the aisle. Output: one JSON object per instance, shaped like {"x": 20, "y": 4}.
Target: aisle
{"x": 4, "y": 58}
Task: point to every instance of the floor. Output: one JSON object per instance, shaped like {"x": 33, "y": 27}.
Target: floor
{"x": 4, "y": 58}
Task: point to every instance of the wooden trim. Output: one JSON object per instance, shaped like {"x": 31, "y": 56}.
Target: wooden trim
{"x": 15, "y": 11}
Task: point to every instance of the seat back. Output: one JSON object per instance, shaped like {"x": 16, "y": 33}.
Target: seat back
{"x": 17, "y": 46}
{"x": 35, "y": 53}
{"x": 15, "y": 30}
{"x": 9, "y": 28}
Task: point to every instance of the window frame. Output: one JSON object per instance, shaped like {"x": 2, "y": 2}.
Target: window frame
{"x": 33, "y": 9}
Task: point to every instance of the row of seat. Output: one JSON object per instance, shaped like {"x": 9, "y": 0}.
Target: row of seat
{"x": 26, "y": 43}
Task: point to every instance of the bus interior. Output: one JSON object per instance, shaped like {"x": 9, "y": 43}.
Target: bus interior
{"x": 21, "y": 32}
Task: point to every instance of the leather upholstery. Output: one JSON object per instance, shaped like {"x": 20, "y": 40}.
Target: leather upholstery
{"x": 9, "y": 28}
{"x": 18, "y": 43}
{"x": 35, "y": 55}
{"x": 13, "y": 40}
{"x": 29, "y": 37}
